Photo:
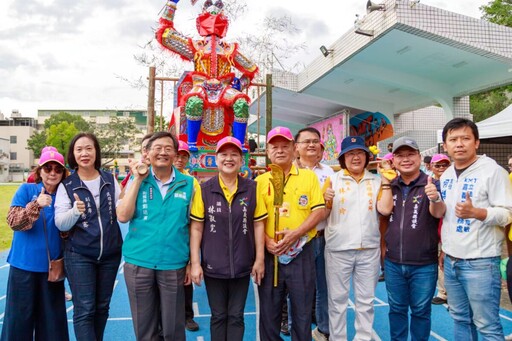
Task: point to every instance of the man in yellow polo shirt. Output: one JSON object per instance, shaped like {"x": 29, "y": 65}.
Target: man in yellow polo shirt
{"x": 302, "y": 208}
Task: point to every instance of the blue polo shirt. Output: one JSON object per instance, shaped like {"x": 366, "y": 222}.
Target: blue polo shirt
{"x": 28, "y": 250}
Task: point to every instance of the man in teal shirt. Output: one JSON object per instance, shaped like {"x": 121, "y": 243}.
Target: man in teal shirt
{"x": 156, "y": 249}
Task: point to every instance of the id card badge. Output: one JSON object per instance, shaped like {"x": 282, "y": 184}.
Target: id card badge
{"x": 284, "y": 210}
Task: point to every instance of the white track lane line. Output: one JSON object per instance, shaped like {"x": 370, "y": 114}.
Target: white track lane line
{"x": 257, "y": 305}
{"x": 437, "y": 337}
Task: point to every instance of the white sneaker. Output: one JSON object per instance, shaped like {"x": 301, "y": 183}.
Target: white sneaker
{"x": 318, "y": 335}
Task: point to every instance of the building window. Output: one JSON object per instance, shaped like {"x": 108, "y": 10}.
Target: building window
{"x": 14, "y": 139}
{"x": 14, "y": 156}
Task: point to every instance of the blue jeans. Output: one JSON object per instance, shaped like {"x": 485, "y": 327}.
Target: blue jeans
{"x": 474, "y": 288}
{"x": 322, "y": 313}
{"x": 92, "y": 284}
{"x": 410, "y": 286}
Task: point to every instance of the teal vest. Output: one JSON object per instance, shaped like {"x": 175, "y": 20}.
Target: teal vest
{"x": 158, "y": 237}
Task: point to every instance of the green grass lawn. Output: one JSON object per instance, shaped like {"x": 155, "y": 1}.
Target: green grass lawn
{"x": 6, "y": 194}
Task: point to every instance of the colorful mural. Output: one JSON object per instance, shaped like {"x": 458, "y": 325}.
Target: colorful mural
{"x": 332, "y": 131}
{"x": 373, "y": 127}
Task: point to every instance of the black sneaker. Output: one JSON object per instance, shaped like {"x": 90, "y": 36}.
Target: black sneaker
{"x": 284, "y": 328}
{"x": 191, "y": 325}
{"x": 438, "y": 300}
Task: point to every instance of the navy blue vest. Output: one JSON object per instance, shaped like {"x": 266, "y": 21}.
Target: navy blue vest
{"x": 95, "y": 234}
{"x": 227, "y": 247}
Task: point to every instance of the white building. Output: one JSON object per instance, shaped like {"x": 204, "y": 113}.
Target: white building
{"x": 18, "y": 130}
{"x": 4, "y": 159}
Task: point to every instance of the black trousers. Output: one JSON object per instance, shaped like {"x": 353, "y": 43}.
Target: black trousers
{"x": 34, "y": 308}
{"x": 298, "y": 278}
{"x": 226, "y": 298}
{"x": 189, "y": 297}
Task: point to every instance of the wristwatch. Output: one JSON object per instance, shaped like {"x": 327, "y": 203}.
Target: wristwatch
{"x": 438, "y": 198}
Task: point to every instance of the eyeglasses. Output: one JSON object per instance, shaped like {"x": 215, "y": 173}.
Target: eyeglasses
{"x": 167, "y": 149}
{"x": 57, "y": 169}
{"x": 307, "y": 142}
{"x": 443, "y": 165}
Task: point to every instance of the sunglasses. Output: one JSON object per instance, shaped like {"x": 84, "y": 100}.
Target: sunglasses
{"x": 57, "y": 169}
{"x": 443, "y": 165}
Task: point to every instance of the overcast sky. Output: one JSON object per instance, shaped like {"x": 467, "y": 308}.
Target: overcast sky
{"x": 72, "y": 54}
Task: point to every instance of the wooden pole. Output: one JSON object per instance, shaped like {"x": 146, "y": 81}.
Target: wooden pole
{"x": 258, "y": 131}
{"x": 161, "y": 105}
{"x": 268, "y": 94}
{"x": 151, "y": 100}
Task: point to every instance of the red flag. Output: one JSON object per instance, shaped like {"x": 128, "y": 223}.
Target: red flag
{"x": 172, "y": 125}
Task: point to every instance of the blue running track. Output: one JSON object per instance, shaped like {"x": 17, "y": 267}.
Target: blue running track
{"x": 119, "y": 326}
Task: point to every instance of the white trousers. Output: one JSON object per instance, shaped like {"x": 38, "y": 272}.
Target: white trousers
{"x": 363, "y": 267}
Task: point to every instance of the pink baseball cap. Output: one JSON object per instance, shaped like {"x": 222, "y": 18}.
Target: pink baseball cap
{"x": 280, "y": 131}
{"x": 50, "y": 154}
{"x": 229, "y": 140}
{"x": 183, "y": 146}
{"x": 388, "y": 156}
{"x": 439, "y": 158}
{"x": 49, "y": 149}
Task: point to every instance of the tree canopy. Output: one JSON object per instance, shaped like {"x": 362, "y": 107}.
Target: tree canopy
{"x": 37, "y": 142}
{"x": 114, "y": 135}
{"x": 48, "y": 136}
{"x": 60, "y": 135}
{"x": 487, "y": 104}
{"x": 498, "y": 12}
{"x": 79, "y": 122}
{"x": 59, "y": 129}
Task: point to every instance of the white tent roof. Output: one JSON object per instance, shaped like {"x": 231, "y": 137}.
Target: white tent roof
{"x": 497, "y": 126}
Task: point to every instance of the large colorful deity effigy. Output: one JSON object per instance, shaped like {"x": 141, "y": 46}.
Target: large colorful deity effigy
{"x": 211, "y": 96}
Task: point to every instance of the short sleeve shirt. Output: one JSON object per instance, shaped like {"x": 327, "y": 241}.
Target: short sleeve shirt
{"x": 301, "y": 196}
{"x": 197, "y": 212}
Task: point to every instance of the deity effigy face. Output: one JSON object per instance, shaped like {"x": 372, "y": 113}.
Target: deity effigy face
{"x": 213, "y": 7}
{"x": 212, "y": 21}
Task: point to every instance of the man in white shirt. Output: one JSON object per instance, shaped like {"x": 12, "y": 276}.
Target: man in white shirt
{"x": 309, "y": 148}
